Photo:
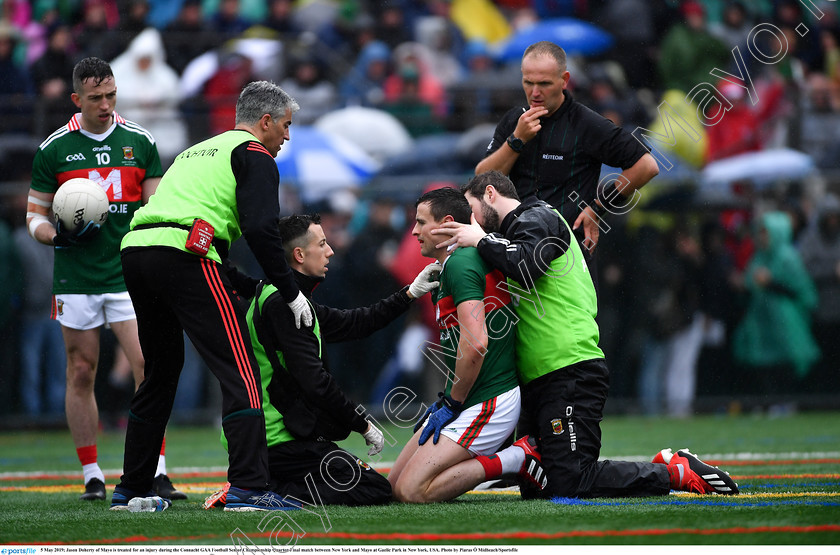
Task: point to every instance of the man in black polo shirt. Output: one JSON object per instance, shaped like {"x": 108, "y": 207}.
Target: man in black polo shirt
{"x": 553, "y": 150}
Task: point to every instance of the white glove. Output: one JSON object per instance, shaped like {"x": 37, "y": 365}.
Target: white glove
{"x": 423, "y": 283}
{"x": 300, "y": 308}
{"x": 373, "y": 437}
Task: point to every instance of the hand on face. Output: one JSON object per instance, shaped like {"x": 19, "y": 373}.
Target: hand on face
{"x": 462, "y": 235}
{"x": 529, "y": 123}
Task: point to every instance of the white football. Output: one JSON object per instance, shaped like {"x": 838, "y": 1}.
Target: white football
{"x": 79, "y": 201}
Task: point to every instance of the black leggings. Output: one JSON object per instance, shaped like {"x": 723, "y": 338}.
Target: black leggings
{"x": 172, "y": 292}
{"x": 301, "y": 468}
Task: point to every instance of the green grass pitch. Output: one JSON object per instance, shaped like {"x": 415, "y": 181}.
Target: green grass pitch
{"x": 788, "y": 469}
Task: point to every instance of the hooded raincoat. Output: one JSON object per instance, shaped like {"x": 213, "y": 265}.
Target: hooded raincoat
{"x": 776, "y": 327}
{"x": 147, "y": 92}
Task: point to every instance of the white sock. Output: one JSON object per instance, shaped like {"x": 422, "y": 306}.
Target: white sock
{"x": 161, "y": 469}
{"x": 512, "y": 459}
{"x": 92, "y": 471}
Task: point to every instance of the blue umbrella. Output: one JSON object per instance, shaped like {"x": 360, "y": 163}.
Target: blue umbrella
{"x": 576, "y": 37}
{"x": 318, "y": 163}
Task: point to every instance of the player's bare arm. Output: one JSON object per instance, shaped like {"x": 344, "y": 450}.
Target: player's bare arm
{"x": 38, "y": 216}
{"x": 472, "y": 347}
{"x": 149, "y": 186}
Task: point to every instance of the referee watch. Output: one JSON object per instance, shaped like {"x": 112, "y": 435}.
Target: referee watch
{"x": 515, "y": 144}
{"x": 608, "y": 193}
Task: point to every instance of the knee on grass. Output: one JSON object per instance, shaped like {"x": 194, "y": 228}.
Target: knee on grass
{"x": 405, "y": 493}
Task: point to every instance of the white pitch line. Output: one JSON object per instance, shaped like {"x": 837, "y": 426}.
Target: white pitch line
{"x": 173, "y": 470}
{"x": 793, "y": 455}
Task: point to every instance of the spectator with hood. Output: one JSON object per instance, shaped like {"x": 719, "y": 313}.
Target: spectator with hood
{"x": 364, "y": 84}
{"x": 774, "y": 339}
{"x": 149, "y": 92}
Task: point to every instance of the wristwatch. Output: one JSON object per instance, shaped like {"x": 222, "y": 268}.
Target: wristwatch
{"x": 598, "y": 209}
{"x": 515, "y": 144}
{"x": 608, "y": 193}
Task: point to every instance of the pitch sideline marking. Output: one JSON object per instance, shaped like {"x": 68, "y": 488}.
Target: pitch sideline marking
{"x": 733, "y": 459}
{"x": 479, "y": 536}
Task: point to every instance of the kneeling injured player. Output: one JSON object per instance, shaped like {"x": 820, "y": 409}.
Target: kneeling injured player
{"x": 305, "y": 410}
{"x": 479, "y": 407}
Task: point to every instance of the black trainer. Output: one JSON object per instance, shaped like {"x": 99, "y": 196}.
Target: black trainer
{"x": 164, "y": 488}
{"x": 94, "y": 490}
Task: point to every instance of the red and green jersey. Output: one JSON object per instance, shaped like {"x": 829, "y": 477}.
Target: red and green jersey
{"x": 467, "y": 277}
{"x": 119, "y": 160}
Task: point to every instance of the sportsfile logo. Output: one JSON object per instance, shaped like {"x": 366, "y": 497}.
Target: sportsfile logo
{"x": 18, "y": 551}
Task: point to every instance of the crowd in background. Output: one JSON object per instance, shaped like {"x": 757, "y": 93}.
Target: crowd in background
{"x": 405, "y": 56}
{"x": 735, "y": 300}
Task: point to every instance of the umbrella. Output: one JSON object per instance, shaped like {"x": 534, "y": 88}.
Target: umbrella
{"x": 480, "y": 20}
{"x": 318, "y": 163}
{"x": 378, "y": 133}
{"x": 762, "y": 168}
{"x": 265, "y": 54}
{"x": 576, "y": 37}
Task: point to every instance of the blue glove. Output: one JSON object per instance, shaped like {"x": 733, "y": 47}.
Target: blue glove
{"x": 432, "y": 408}
{"x": 440, "y": 418}
{"x": 88, "y": 232}
{"x": 67, "y": 238}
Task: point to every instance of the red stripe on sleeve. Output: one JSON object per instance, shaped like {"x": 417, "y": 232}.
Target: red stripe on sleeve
{"x": 257, "y": 147}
